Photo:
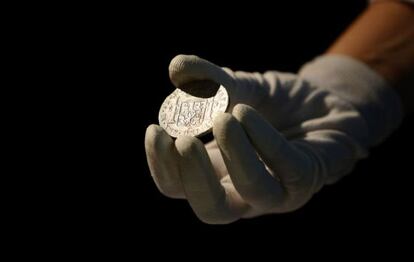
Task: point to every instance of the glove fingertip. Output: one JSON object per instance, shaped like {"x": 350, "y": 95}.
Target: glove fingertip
{"x": 179, "y": 66}
{"x": 179, "y": 62}
{"x": 156, "y": 139}
{"x": 222, "y": 125}
{"x": 184, "y": 69}
{"x": 188, "y": 146}
{"x": 242, "y": 111}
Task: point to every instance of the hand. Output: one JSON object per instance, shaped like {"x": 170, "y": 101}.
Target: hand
{"x": 282, "y": 140}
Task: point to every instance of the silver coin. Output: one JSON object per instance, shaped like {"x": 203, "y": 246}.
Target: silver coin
{"x": 182, "y": 114}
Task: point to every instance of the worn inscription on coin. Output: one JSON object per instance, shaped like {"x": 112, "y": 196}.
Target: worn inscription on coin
{"x": 182, "y": 114}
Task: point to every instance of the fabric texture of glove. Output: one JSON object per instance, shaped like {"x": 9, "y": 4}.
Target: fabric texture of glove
{"x": 285, "y": 136}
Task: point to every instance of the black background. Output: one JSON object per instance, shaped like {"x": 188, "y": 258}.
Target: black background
{"x": 127, "y": 67}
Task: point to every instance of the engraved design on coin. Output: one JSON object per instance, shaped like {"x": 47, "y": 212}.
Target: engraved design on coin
{"x": 182, "y": 114}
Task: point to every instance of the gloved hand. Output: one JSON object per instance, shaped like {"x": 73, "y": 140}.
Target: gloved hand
{"x": 285, "y": 136}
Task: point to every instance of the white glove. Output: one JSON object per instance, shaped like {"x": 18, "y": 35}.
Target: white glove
{"x": 286, "y": 136}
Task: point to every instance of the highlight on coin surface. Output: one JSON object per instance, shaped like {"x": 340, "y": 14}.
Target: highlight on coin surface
{"x": 182, "y": 114}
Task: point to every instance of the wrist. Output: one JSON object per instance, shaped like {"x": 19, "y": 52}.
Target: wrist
{"x": 362, "y": 87}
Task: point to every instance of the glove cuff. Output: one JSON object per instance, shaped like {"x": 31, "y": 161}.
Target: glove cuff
{"x": 355, "y": 82}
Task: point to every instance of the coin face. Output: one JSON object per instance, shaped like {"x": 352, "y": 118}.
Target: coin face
{"x": 182, "y": 114}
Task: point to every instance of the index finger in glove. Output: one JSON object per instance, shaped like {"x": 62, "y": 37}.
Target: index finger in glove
{"x": 249, "y": 175}
{"x": 292, "y": 166}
